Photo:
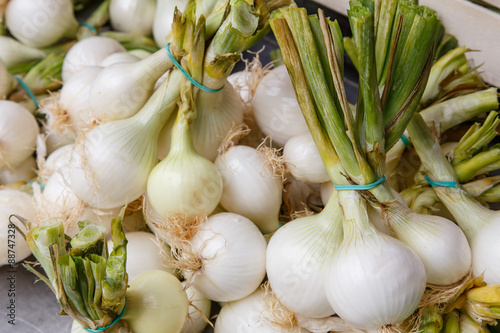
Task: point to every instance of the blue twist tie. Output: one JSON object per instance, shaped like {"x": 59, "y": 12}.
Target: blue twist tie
{"x": 434, "y": 183}
{"x": 202, "y": 87}
{"x": 359, "y": 187}
{"x": 405, "y": 140}
{"x": 102, "y": 329}
{"x": 28, "y": 91}
{"x": 91, "y": 27}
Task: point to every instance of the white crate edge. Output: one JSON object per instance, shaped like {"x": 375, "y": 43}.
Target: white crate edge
{"x": 474, "y": 26}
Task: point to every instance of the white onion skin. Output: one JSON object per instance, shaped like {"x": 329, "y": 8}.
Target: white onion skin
{"x": 216, "y": 115}
{"x": 119, "y": 58}
{"x": 248, "y": 315}
{"x": 116, "y": 187}
{"x": 143, "y": 254}
{"x": 60, "y": 203}
{"x": 120, "y": 90}
{"x": 374, "y": 280}
{"x": 164, "y": 17}
{"x": 250, "y": 187}
{"x": 89, "y": 52}
{"x": 233, "y": 253}
{"x": 18, "y": 134}
{"x": 298, "y": 259}
{"x": 303, "y": 159}
{"x": 75, "y": 96}
{"x": 276, "y": 109}
{"x": 156, "y": 303}
{"x": 40, "y": 23}
{"x": 368, "y": 295}
{"x": 111, "y": 166}
{"x": 440, "y": 244}
{"x": 56, "y": 160}
{"x": 20, "y": 203}
{"x": 133, "y": 16}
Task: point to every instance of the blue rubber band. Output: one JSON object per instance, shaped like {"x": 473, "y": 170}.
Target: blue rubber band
{"x": 102, "y": 329}
{"x": 202, "y": 87}
{"x": 405, "y": 140}
{"x": 28, "y": 91}
{"x": 434, "y": 183}
{"x": 91, "y": 27}
{"x": 32, "y": 182}
{"x": 359, "y": 187}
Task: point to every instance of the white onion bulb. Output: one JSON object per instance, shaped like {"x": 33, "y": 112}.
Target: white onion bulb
{"x": 20, "y": 203}
{"x": 110, "y": 169}
{"x": 482, "y": 228}
{"x": 303, "y": 159}
{"x": 133, "y": 16}
{"x": 88, "y": 52}
{"x": 298, "y": 259}
{"x": 120, "y": 90}
{"x": 440, "y": 243}
{"x": 233, "y": 257}
{"x": 276, "y": 109}
{"x": 217, "y": 113}
{"x": 249, "y": 315}
{"x": 40, "y": 23}
{"x": 23, "y": 172}
{"x": 164, "y": 17}
{"x": 18, "y": 134}
{"x": 58, "y": 202}
{"x": 374, "y": 280}
{"x": 75, "y": 97}
{"x": 184, "y": 183}
{"x": 250, "y": 187}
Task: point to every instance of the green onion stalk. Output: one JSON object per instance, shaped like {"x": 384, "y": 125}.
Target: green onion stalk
{"x": 42, "y": 78}
{"x": 208, "y": 62}
{"x": 461, "y": 99}
{"x": 472, "y": 157}
{"x": 89, "y": 285}
{"x": 353, "y": 144}
{"x": 431, "y": 321}
{"x": 452, "y": 322}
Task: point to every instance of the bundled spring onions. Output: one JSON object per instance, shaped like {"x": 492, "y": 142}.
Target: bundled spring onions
{"x": 92, "y": 286}
{"x": 356, "y": 156}
{"x": 296, "y": 228}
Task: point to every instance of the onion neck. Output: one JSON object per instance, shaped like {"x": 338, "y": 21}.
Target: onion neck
{"x": 469, "y": 214}
{"x": 182, "y": 138}
{"x": 160, "y": 106}
{"x": 356, "y": 222}
{"x": 155, "y": 65}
